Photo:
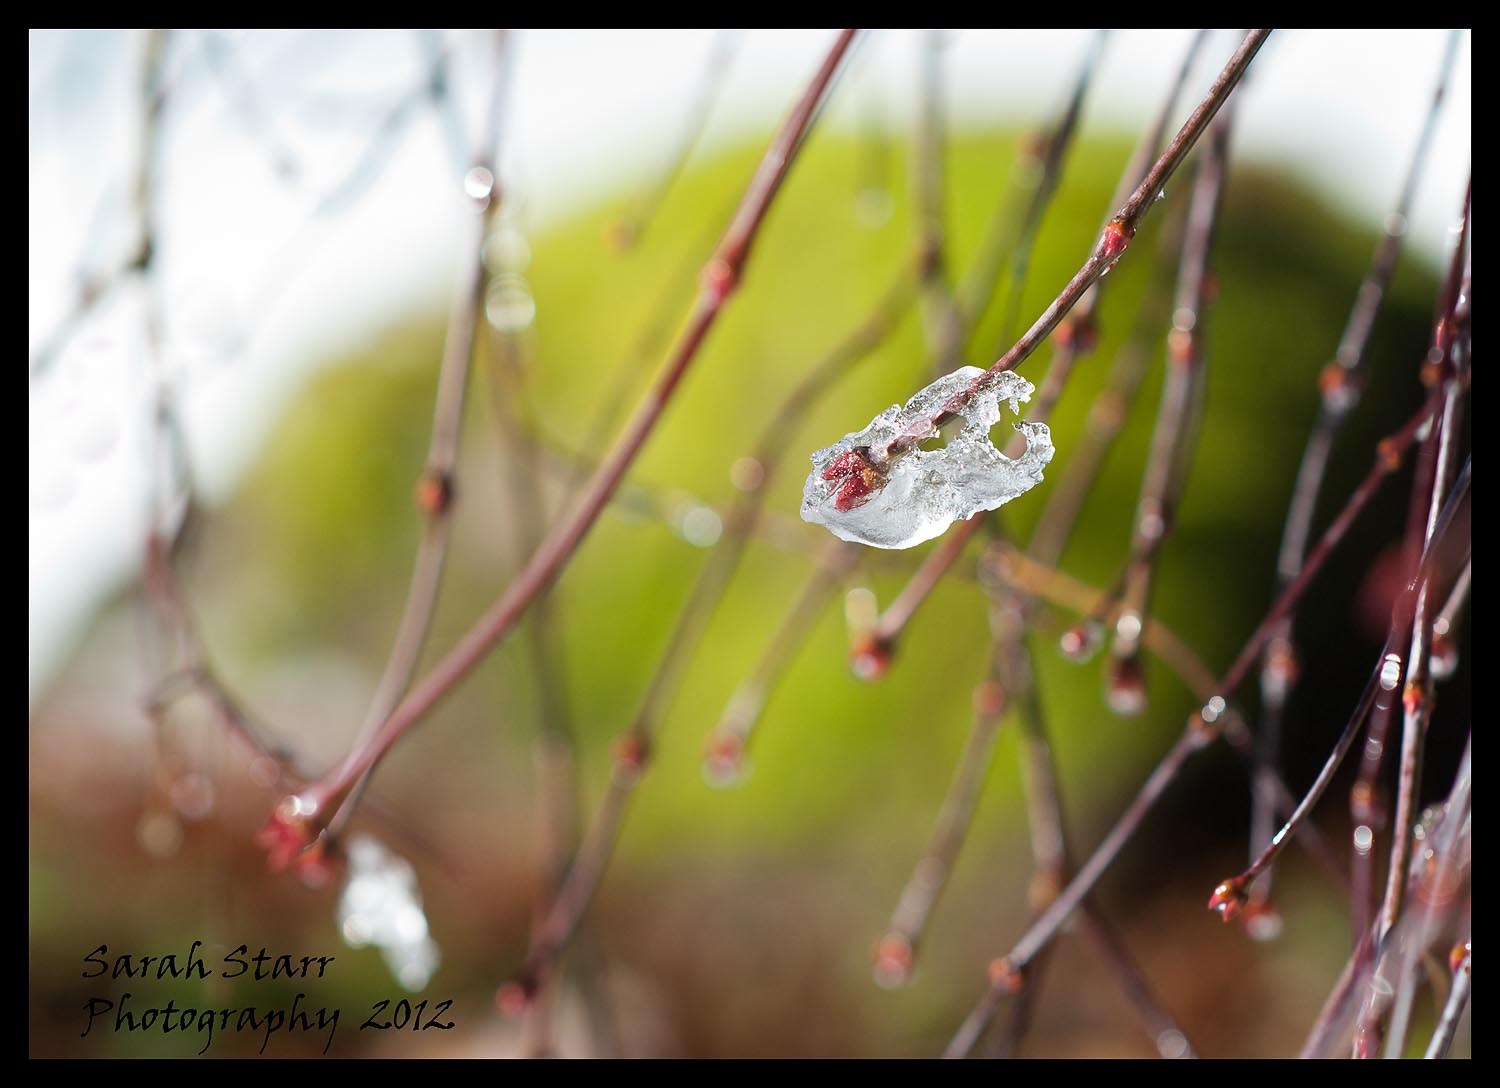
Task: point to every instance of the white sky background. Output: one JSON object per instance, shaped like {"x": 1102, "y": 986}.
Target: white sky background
{"x": 258, "y": 290}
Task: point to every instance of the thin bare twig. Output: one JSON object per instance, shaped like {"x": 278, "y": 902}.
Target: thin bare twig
{"x": 1434, "y": 472}
{"x": 1111, "y": 245}
{"x": 730, "y": 739}
{"x": 1176, "y": 430}
{"x": 1444, "y": 656}
{"x": 1336, "y": 1006}
{"x": 437, "y": 485}
{"x": 1043, "y": 582}
{"x": 1437, "y": 880}
{"x": 1106, "y": 417}
{"x": 183, "y": 663}
{"x": 631, "y": 756}
{"x": 1202, "y": 727}
{"x": 239, "y": 92}
{"x": 630, "y": 228}
{"x": 651, "y": 339}
{"x": 752, "y": 473}
{"x": 137, "y": 262}
{"x": 942, "y": 318}
{"x": 1453, "y": 1008}
{"x": 1075, "y": 336}
{"x": 1052, "y": 865}
{"x": 1059, "y": 141}
{"x": 895, "y": 952}
{"x": 299, "y": 817}
{"x": 1230, "y": 895}
{"x": 1340, "y": 384}
{"x": 431, "y": 88}
{"x": 557, "y": 787}
{"x": 1364, "y": 796}
{"x": 1410, "y": 620}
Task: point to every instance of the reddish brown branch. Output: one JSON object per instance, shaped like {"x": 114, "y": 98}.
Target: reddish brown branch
{"x": 630, "y": 228}
{"x": 1043, "y": 582}
{"x": 1439, "y": 891}
{"x": 1175, "y": 433}
{"x": 1076, "y": 336}
{"x": 1111, "y": 245}
{"x": 729, "y": 741}
{"x": 298, "y": 818}
{"x": 436, "y": 488}
{"x": 1437, "y": 564}
{"x": 1202, "y": 727}
{"x": 1058, "y": 143}
{"x": 632, "y": 754}
{"x": 1453, "y": 1007}
{"x": 941, "y": 315}
{"x": 1426, "y": 498}
{"x": 1439, "y": 451}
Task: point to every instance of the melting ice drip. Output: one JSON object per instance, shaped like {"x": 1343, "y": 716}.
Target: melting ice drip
{"x": 382, "y": 905}
{"x": 925, "y": 491}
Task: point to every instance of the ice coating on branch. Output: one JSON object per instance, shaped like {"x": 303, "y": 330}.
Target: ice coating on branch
{"x": 382, "y": 905}
{"x": 921, "y": 492}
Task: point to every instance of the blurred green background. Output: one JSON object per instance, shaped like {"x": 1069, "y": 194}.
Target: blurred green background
{"x": 740, "y": 922}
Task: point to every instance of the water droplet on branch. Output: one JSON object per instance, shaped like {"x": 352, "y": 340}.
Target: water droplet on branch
{"x": 478, "y": 184}
{"x": 382, "y": 906}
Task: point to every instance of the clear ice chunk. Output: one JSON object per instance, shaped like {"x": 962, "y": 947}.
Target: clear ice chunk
{"x": 382, "y": 906}
{"x": 925, "y": 490}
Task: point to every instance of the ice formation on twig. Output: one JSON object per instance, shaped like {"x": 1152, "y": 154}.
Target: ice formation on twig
{"x": 382, "y": 905}
{"x": 916, "y": 494}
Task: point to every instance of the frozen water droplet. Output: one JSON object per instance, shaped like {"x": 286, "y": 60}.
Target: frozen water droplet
{"x": 1079, "y": 642}
{"x": 700, "y": 526}
{"x": 1443, "y": 661}
{"x": 926, "y": 490}
{"x": 1171, "y": 1043}
{"x": 509, "y": 305}
{"x": 478, "y": 184}
{"x": 382, "y": 906}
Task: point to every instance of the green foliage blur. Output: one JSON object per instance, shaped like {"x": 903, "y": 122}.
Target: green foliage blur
{"x": 740, "y": 922}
